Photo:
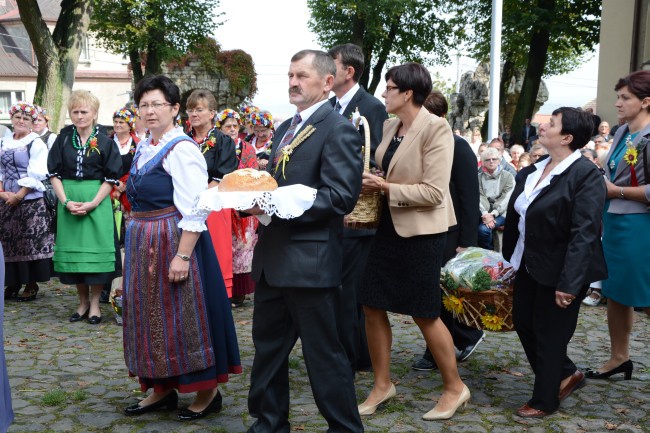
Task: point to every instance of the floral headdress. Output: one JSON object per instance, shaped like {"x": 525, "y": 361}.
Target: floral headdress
{"x": 127, "y": 115}
{"x": 262, "y": 118}
{"x": 247, "y": 110}
{"x": 24, "y": 107}
{"x": 42, "y": 111}
{"x": 227, "y": 114}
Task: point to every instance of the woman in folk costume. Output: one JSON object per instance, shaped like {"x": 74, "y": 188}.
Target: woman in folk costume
{"x": 179, "y": 333}
{"x": 219, "y": 152}
{"x": 244, "y": 236}
{"x": 83, "y": 166}
{"x": 25, "y": 223}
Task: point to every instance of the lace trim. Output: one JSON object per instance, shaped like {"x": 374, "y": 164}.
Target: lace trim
{"x": 192, "y": 225}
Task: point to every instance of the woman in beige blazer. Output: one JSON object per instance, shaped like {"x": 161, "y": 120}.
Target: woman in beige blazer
{"x": 403, "y": 269}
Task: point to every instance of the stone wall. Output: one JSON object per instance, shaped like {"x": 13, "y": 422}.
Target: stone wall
{"x": 469, "y": 107}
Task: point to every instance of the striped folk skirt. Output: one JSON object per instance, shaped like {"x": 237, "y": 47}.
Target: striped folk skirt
{"x": 176, "y": 335}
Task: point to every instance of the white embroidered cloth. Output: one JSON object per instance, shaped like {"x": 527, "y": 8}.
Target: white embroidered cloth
{"x": 286, "y": 202}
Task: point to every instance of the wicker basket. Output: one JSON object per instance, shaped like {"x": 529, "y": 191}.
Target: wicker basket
{"x": 367, "y": 211}
{"x": 490, "y": 310}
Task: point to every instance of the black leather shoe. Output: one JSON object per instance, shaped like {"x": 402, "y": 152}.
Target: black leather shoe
{"x": 95, "y": 320}
{"x": 467, "y": 352}
{"x": 170, "y": 401}
{"x": 423, "y": 364}
{"x": 77, "y": 317}
{"x": 214, "y": 406}
{"x": 11, "y": 292}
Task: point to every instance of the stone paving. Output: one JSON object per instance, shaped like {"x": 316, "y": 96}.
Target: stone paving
{"x": 70, "y": 377}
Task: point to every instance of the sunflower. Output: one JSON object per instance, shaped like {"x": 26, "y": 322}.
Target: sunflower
{"x": 453, "y": 304}
{"x": 492, "y": 322}
{"x": 630, "y": 155}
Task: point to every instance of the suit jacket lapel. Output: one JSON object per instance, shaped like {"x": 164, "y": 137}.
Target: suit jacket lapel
{"x": 409, "y": 138}
{"x": 353, "y": 104}
{"x": 622, "y": 165}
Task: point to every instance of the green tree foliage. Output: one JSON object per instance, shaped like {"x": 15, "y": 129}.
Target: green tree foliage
{"x": 57, "y": 52}
{"x": 151, "y": 32}
{"x": 388, "y": 31}
{"x": 542, "y": 37}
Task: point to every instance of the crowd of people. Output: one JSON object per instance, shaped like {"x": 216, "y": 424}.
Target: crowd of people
{"x": 572, "y": 205}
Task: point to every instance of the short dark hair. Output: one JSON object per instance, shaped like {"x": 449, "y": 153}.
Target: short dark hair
{"x": 158, "y": 82}
{"x": 323, "y": 62}
{"x": 638, "y": 83}
{"x": 577, "y": 123}
{"x": 351, "y": 55}
{"x": 411, "y": 76}
{"x": 436, "y": 103}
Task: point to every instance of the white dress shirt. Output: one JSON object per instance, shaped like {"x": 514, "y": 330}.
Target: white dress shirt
{"x": 530, "y": 192}
{"x": 345, "y": 99}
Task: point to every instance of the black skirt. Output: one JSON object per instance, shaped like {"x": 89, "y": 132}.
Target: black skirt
{"x": 403, "y": 274}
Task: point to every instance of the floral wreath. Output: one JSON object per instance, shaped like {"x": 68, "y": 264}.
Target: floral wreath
{"x": 227, "y": 114}
{"x": 127, "y": 115}
{"x": 247, "y": 110}
{"x": 24, "y": 107}
{"x": 262, "y": 118}
{"x": 43, "y": 111}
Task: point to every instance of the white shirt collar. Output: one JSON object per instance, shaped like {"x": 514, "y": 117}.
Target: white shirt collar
{"x": 345, "y": 100}
{"x": 533, "y": 178}
{"x": 307, "y": 113}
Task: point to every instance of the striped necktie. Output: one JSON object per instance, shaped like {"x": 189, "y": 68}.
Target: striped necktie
{"x": 337, "y": 106}
{"x": 287, "y": 137}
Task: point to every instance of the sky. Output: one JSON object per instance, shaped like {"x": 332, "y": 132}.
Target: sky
{"x": 280, "y": 34}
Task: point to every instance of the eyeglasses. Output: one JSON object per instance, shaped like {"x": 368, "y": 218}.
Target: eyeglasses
{"x": 157, "y": 106}
{"x": 491, "y": 159}
{"x": 389, "y": 88}
{"x": 196, "y": 111}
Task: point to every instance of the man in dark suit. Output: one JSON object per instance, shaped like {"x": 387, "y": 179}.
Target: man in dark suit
{"x": 464, "y": 191}
{"x": 351, "y": 98}
{"x": 527, "y": 132}
{"x": 297, "y": 262}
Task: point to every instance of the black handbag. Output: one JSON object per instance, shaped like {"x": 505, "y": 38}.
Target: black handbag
{"x": 49, "y": 196}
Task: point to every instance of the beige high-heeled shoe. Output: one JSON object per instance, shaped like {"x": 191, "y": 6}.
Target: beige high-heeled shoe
{"x": 369, "y": 409}
{"x": 434, "y": 414}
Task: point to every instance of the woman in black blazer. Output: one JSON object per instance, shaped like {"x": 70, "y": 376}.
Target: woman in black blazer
{"x": 552, "y": 238}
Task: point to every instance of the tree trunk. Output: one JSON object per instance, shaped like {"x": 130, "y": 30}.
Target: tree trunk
{"x": 506, "y": 75}
{"x": 383, "y": 55}
{"x": 136, "y": 66}
{"x": 537, "y": 56}
{"x": 57, "y": 53}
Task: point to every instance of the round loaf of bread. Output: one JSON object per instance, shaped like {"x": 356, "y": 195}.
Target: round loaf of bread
{"x": 247, "y": 179}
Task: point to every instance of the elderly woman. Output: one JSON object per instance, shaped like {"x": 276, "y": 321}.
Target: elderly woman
{"x": 416, "y": 155}
{"x": 41, "y": 127}
{"x": 263, "y": 128}
{"x": 25, "y": 222}
{"x": 220, "y": 156}
{"x": 83, "y": 166}
{"x": 171, "y": 269}
{"x": 552, "y": 239}
{"x": 626, "y": 221}
{"x": 244, "y": 236}
{"x": 495, "y": 186}
{"x": 515, "y": 152}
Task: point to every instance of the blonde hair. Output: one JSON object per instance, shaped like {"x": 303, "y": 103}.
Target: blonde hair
{"x": 79, "y": 98}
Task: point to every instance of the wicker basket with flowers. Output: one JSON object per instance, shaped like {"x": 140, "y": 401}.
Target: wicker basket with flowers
{"x": 477, "y": 286}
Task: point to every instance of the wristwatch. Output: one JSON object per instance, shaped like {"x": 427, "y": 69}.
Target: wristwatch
{"x": 183, "y": 257}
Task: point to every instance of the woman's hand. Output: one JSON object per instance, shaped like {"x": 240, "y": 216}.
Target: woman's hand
{"x": 121, "y": 187}
{"x": 13, "y": 199}
{"x": 563, "y": 300}
{"x": 178, "y": 270}
{"x": 371, "y": 183}
{"x": 80, "y": 208}
{"x": 613, "y": 191}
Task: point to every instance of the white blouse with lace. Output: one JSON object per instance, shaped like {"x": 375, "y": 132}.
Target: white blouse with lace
{"x": 186, "y": 165}
{"x": 37, "y": 167}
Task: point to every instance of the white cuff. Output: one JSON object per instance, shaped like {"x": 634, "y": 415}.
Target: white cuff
{"x": 30, "y": 182}
{"x": 192, "y": 225}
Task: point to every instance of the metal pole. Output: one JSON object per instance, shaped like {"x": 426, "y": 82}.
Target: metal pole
{"x": 495, "y": 68}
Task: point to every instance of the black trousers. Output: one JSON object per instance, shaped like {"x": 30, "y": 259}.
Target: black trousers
{"x": 544, "y": 330}
{"x": 352, "y": 321}
{"x": 280, "y": 317}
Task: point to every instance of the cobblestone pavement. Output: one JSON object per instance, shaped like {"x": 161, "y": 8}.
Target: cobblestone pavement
{"x": 70, "y": 377}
